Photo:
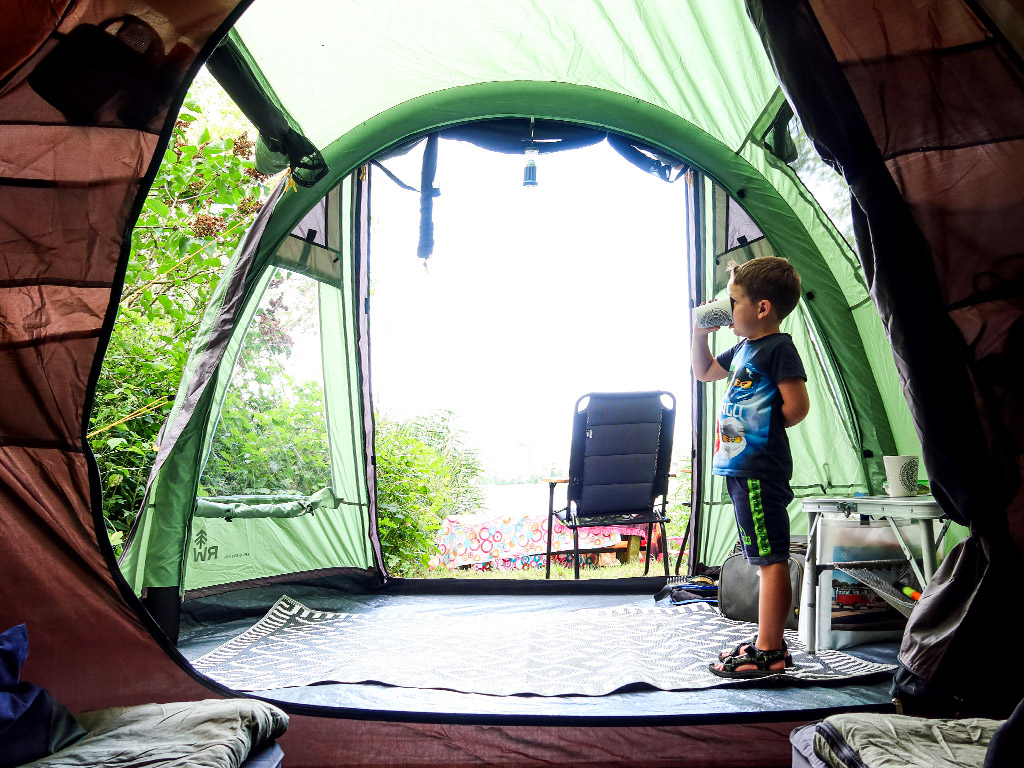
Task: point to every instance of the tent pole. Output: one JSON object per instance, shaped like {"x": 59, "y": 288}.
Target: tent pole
{"x": 695, "y": 253}
{"x": 164, "y": 605}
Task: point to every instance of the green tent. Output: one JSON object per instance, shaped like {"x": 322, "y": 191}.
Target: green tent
{"x": 917, "y": 104}
{"x": 725, "y": 118}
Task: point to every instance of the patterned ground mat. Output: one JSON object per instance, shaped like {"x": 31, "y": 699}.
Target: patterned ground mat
{"x": 587, "y": 652}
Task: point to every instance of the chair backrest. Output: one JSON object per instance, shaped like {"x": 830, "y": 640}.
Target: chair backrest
{"x": 621, "y": 451}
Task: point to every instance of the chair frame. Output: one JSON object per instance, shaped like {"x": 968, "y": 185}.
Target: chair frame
{"x": 574, "y": 518}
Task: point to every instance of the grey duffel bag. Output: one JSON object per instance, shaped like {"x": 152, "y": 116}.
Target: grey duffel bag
{"x": 739, "y": 588}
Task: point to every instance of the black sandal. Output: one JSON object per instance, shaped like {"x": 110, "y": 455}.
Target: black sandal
{"x": 762, "y": 660}
{"x": 725, "y": 655}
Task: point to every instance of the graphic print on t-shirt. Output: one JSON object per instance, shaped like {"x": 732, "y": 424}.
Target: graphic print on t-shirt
{"x": 750, "y": 439}
{"x": 743, "y": 382}
{"x": 744, "y": 416}
{"x": 732, "y": 436}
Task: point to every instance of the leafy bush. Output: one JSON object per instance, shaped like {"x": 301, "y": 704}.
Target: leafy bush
{"x": 679, "y": 494}
{"x": 272, "y": 435}
{"x": 272, "y": 440}
{"x": 424, "y": 474}
{"x": 205, "y": 195}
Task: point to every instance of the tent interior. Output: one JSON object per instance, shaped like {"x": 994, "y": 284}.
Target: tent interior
{"x": 518, "y": 611}
{"x": 232, "y": 556}
{"x": 702, "y": 95}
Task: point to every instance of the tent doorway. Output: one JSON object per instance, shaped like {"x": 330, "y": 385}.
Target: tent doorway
{"x": 531, "y": 297}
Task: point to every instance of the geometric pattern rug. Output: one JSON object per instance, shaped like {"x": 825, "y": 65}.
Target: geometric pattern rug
{"x": 588, "y": 652}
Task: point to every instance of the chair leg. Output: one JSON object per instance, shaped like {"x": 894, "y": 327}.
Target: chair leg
{"x": 682, "y": 547}
{"x": 576, "y": 551}
{"x": 551, "y": 525}
{"x": 664, "y": 547}
{"x": 647, "y": 555}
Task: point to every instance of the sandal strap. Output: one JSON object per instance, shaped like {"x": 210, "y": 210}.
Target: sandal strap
{"x": 760, "y": 659}
{"x": 769, "y": 657}
{"x": 739, "y": 647}
{"x": 752, "y": 642}
{"x": 730, "y": 664}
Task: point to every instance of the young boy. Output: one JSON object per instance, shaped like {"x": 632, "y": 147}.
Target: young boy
{"x": 766, "y": 395}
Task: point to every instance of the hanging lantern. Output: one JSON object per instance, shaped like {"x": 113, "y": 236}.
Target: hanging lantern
{"x": 530, "y": 171}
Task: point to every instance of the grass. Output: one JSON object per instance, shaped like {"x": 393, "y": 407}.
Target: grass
{"x": 633, "y": 568}
{"x": 621, "y": 570}
{"x": 679, "y": 512}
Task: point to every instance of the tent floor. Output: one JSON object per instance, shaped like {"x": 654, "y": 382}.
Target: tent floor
{"x": 209, "y": 621}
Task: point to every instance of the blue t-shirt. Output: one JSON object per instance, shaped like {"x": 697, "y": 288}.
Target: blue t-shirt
{"x": 750, "y": 440}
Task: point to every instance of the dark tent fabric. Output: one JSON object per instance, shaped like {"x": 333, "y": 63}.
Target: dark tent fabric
{"x": 280, "y": 141}
{"x": 933, "y": 176}
{"x": 918, "y": 103}
{"x": 73, "y": 175}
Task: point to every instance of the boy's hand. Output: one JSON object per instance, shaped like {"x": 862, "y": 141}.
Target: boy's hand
{"x": 795, "y": 403}
{"x": 704, "y": 331}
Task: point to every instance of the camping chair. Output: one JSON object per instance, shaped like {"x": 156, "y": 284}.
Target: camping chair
{"x": 618, "y": 466}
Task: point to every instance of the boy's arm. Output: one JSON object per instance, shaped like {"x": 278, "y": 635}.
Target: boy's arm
{"x": 705, "y": 367}
{"x": 795, "y": 403}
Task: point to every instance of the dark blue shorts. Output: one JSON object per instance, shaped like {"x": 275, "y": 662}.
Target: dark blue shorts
{"x": 761, "y": 517}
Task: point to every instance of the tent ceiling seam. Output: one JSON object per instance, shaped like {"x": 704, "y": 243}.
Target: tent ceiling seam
{"x": 953, "y": 147}
{"x": 46, "y": 445}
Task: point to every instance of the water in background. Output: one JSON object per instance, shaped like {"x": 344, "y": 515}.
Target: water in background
{"x": 520, "y": 499}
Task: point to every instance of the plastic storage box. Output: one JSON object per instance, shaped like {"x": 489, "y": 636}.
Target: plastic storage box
{"x": 838, "y": 611}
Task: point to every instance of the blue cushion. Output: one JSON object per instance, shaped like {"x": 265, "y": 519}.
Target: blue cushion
{"x": 268, "y": 756}
{"x": 32, "y": 723}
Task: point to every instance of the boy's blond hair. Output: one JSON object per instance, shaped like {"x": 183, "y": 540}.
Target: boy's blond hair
{"x": 768, "y": 277}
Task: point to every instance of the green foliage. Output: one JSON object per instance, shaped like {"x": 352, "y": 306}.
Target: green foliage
{"x": 830, "y": 189}
{"x": 679, "y": 495}
{"x": 205, "y": 195}
{"x": 424, "y": 474}
{"x": 272, "y": 436}
{"x": 271, "y": 439}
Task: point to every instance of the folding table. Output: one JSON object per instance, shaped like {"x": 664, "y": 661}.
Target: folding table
{"x": 919, "y": 510}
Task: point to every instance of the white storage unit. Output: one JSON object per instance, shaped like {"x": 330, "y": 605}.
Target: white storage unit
{"x": 883, "y": 534}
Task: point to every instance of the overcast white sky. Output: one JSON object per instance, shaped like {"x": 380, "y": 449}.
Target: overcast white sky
{"x": 533, "y": 297}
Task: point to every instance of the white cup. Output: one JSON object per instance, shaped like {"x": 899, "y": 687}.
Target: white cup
{"x": 714, "y": 314}
{"x": 901, "y": 474}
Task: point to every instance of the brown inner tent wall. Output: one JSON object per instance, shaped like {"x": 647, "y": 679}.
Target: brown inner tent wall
{"x": 74, "y": 169}
{"x": 937, "y": 200}
{"x": 920, "y": 106}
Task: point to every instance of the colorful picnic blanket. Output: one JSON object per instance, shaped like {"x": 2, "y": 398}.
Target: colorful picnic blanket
{"x": 521, "y": 540}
